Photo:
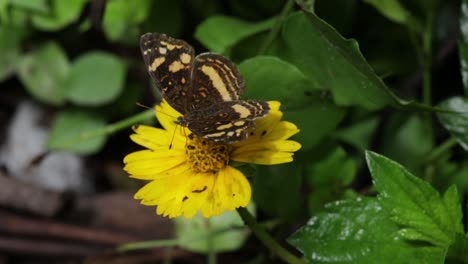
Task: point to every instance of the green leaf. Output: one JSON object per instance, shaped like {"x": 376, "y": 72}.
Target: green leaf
{"x": 463, "y": 53}
{"x": 414, "y": 204}
{"x": 9, "y": 49}
{"x": 358, "y": 231}
{"x": 270, "y": 78}
{"x": 359, "y": 134}
{"x": 35, "y": 6}
{"x": 77, "y": 131}
{"x": 406, "y": 140}
{"x": 455, "y": 173}
{"x": 44, "y": 71}
{"x": 17, "y": 17}
{"x": 96, "y": 78}
{"x": 60, "y": 15}
{"x": 219, "y": 33}
{"x": 328, "y": 178}
{"x": 217, "y": 234}
{"x": 121, "y": 18}
{"x": 458, "y": 252}
{"x": 335, "y": 63}
{"x": 393, "y": 10}
{"x": 463, "y": 44}
{"x": 272, "y": 180}
{"x": 316, "y": 121}
{"x": 456, "y": 123}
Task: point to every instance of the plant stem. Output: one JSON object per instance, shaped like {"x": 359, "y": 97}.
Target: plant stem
{"x": 148, "y": 244}
{"x": 176, "y": 242}
{"x": 276, "y": 27}
{"x": 210, "y": 241}
{"x": 427, "y": 66}
{"x": 266, "y": 238}
{"x": 109, "y": 129}
{"x": 441, "y": 149}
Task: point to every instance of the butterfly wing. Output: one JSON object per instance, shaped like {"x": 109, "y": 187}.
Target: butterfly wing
{"x": 228, "y": 122}
{"x": 215, "y": 79}
{"x": 169, "y": 62}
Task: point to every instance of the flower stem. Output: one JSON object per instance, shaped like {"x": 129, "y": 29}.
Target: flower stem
{"x": 441, "y": 149}
{"x": 148, "y": 244}
{"x": 176, "y": 242}
{"x": 266, "y": 238}
{"x": 109, "y": 129}
{"x": 276, "y": 27}
{"x": 427, "y": 70}
{"x": 210, "y": 241}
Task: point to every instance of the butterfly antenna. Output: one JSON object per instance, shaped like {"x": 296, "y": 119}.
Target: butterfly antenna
{"x": 173, "y": 135}
{"x": 185, "y": 135}
{"x": 143, "y": 106}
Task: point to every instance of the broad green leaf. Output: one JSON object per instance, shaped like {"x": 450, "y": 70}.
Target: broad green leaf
{"x": 328, "y": 178}
{"x": 316, "y": 121}
{"x": 270, "y": 78}
{"x": 336, "y": 64}
{"x": 77, "y": 131}
{"x": 9, "y": 50}
{"x": 278, "y": 179}
{"x": 39, "y": 6}
{"x": 393, "y": 10}
{"x": 456, "y": 123}
{"x": 219, "y": 33}
{"x": 463, "y": 44}
{"x": 414, "y": 204}
{"x": 17, "y": 17}
{"x": 60, "y": 15}
{"x": 463, "y": 53}
{"x": 458, "y": 252}
{"x": 307, "y": 5}
{"x": 458, "y": 177}
{"x": 96, "y": 78}
{"x": 359, "y": 134}
{"x": 217, "y": 234}
{"x": 406, "y": 140}
{"x": 4, "y": 10}
{"x": 44, "y": 71}
{"x": 358, "y": 231}
{"x": 121, "y": 18}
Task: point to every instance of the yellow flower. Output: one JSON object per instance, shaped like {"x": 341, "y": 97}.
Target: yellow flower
{"x": 189, "y": 173}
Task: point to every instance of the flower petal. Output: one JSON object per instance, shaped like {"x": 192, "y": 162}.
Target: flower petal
{"x": 167, "y": 115}
{"x": 147, "y": 165}
{"x": 187, "y": 192}
{"x": 268, "y": 144}
{"x": 266, "y": 157}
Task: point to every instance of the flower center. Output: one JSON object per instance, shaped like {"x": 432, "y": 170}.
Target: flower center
{"x": 205, "y": 155}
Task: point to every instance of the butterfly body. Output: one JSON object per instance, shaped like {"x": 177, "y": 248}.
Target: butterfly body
{"x": 205, "y": 89}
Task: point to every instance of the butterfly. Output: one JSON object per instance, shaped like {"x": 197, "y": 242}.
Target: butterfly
{"x": 205, "y": 89}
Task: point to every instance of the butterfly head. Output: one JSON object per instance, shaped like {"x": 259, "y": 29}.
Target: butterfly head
{"x": 182, "y": 121}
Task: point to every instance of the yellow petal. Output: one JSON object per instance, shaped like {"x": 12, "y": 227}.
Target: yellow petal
{"x": 280, "y": 145}
{"x": 147, "y": 165}
{"x": 187, "y": 192}
{"x": 167, "y": 115}
{"x": 266, "y": 157}
{"x": 270, "y": 128}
